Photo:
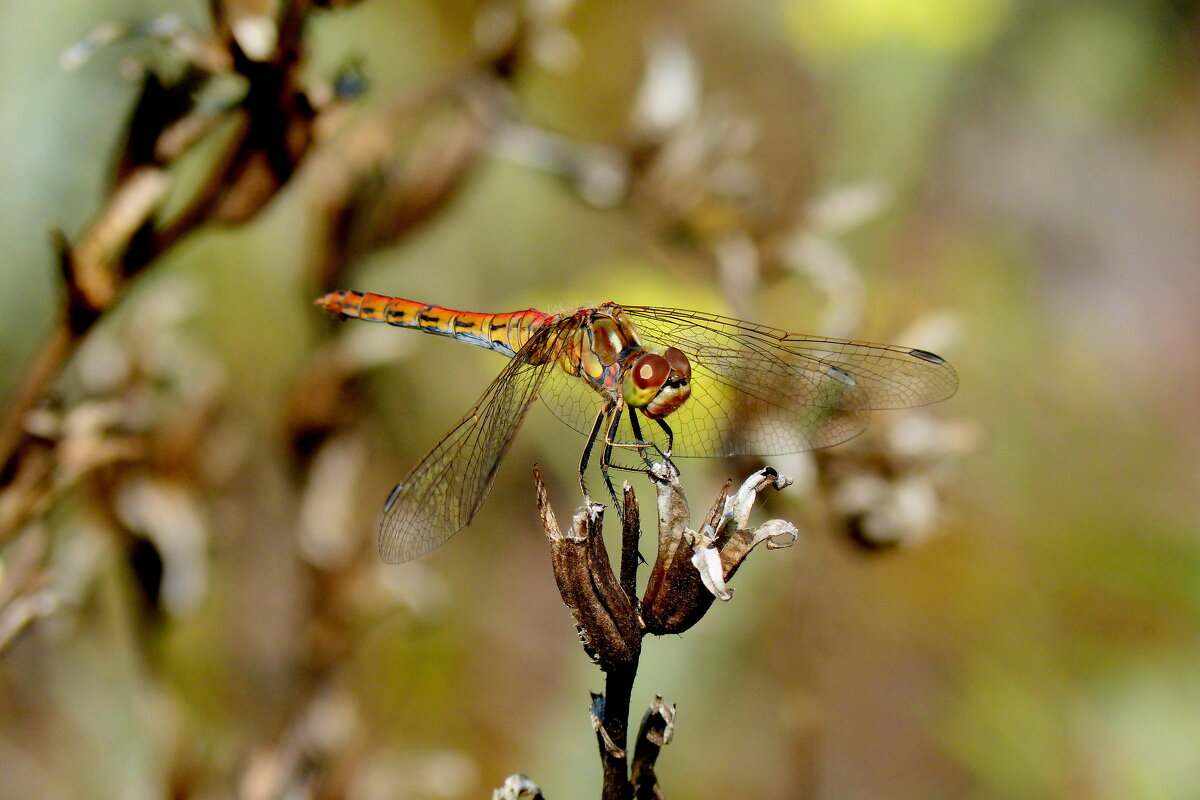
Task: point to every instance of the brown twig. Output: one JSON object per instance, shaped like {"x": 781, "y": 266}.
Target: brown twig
{"x": 631, "y": 532}
{"x": 658, "y": 725}
{"x": 126, "y": 237}
{"x": 24, "y": 591}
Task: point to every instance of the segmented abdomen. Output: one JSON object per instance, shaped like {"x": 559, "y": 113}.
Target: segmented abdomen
{"x": 505, "y": 333}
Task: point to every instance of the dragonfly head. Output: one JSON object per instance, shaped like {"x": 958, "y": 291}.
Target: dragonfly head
{"x": 658, "y": 383}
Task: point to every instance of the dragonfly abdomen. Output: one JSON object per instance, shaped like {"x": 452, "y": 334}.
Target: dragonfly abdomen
{"x": 505, "y": 333}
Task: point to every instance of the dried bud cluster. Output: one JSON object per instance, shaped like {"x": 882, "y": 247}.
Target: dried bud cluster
{"x": 518, "y": 787}
{"x": 608, "y": 623}
{"x": 886, "y": 491}
{"x": 692, "y": 568}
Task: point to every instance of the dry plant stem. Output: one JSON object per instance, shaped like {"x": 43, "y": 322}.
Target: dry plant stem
{"x": 125, "y": 237}
{"x": 631, "y": 533}
{"x": 618, "y": 689}
{"x": 32, "y": 388}
{"x": 25, "y": 593}
{"x": 655, "y": 731}
{"x": 618, "y": 679}
{"x": 607, "y": 622}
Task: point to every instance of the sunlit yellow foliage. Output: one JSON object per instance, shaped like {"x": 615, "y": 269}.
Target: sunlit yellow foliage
{"x": 830, "y": 29}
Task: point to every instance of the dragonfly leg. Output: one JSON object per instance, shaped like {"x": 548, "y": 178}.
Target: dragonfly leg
{"x": 670, "y": 443}
{"x": 643, "y": 445}
{"x": 610, "y": 441}
{"x": 611, "y": 413}
{"x": 606, "y": 457}
{"x": 587, "y": 450}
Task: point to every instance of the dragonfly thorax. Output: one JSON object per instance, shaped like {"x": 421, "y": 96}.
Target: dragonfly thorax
{"x": 607, "y": 352}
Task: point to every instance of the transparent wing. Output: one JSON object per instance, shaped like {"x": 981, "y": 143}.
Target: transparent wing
{"x": 442, "y": 493}
{"x": 763, "y": 391}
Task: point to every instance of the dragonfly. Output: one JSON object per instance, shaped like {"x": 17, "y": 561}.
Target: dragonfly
{"x": 711, "y": 385}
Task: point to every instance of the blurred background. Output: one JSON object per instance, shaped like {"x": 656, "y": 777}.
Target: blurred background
{"x": 996, "y": 597}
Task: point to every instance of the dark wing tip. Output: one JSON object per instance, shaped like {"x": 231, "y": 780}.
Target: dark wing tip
{"x": 391, "y": 498}
{"x": 925, "y": 355}
{"x": 945, "y": 385}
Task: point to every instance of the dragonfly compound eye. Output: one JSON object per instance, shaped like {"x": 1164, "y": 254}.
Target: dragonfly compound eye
{"x": 646, "y": 376}
{"x": 676, "y": 387}
{"x": 681, "y": 368}
{"x": 651, "y": 371}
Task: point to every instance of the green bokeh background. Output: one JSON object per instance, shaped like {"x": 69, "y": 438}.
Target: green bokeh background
{"x": 1043, "y": 167}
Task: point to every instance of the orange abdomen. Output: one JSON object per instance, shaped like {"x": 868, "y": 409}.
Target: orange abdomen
{"x": 505, "y": 333}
